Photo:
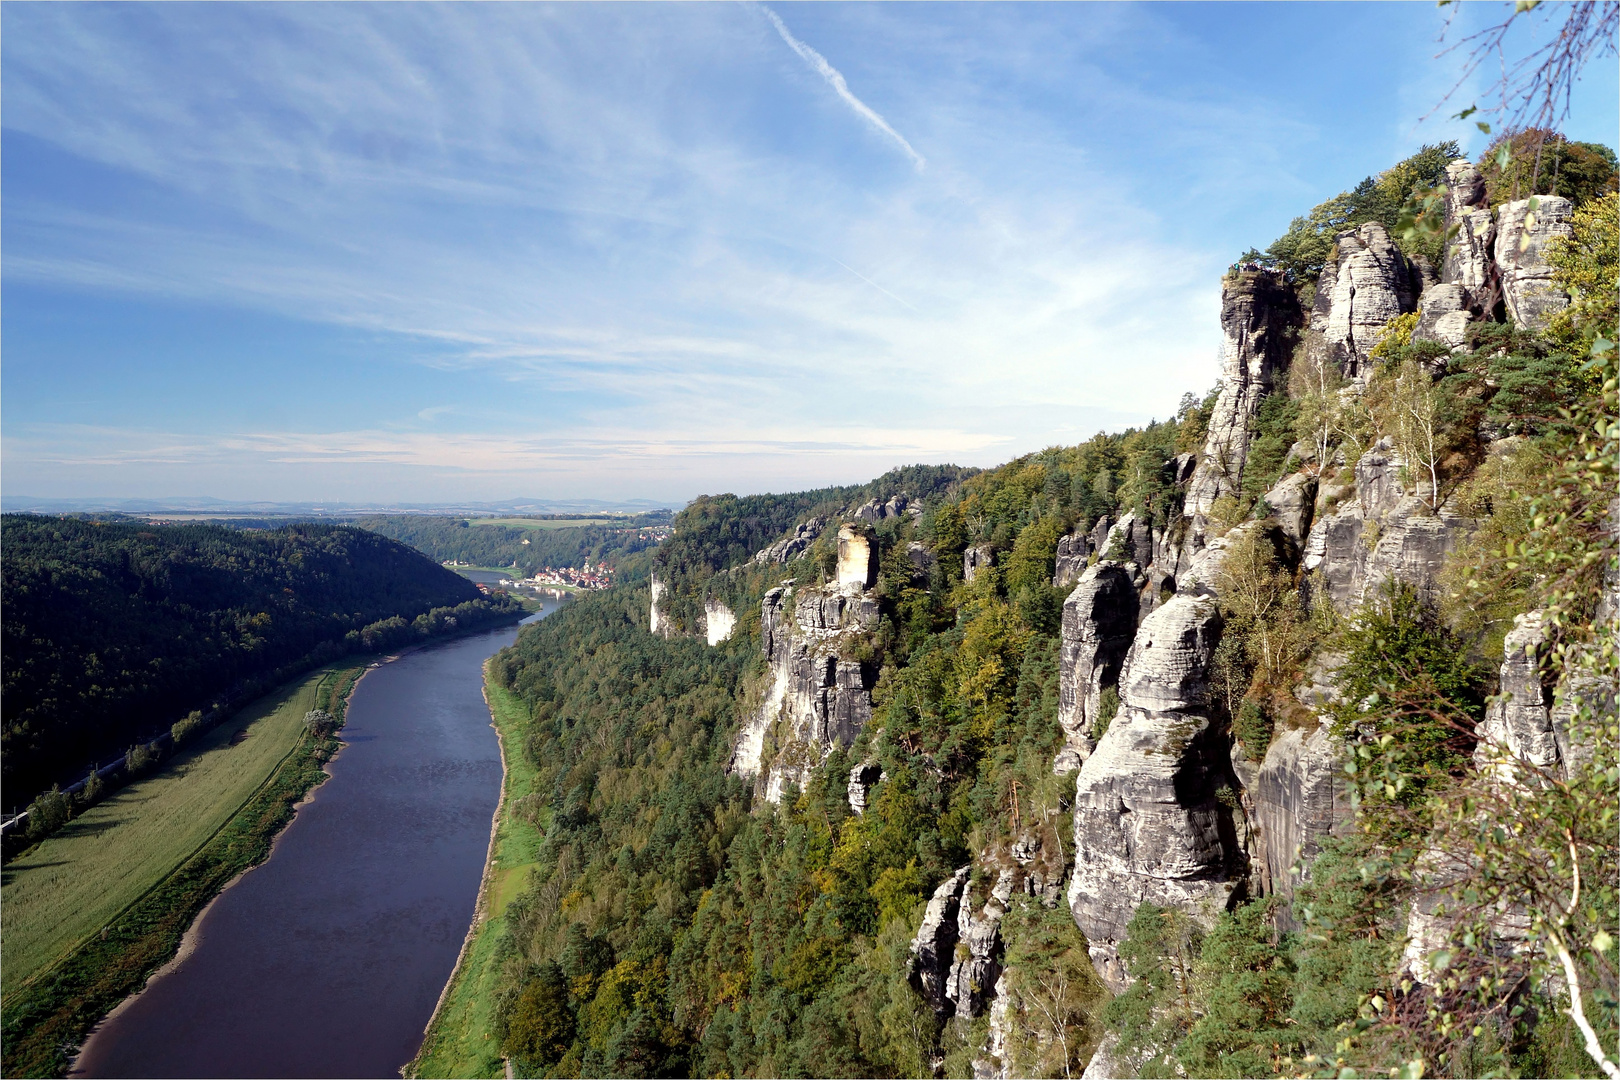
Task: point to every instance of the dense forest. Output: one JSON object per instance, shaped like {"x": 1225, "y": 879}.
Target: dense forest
{"x": 452, "y": 539}
{"x": 682, "y": 925}
{"x": 774, "y": 942}
{"x": 115, "y": 630}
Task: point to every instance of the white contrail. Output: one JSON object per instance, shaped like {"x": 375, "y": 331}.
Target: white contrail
{"x": 836, "y": 81}
{"x": 874, "y": 284}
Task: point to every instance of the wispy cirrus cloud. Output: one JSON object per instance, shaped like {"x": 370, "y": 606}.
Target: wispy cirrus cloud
{"x": 835, "y": 79}
{"x": 538, "y": 248}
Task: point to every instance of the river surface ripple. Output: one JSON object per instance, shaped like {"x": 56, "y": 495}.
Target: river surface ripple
{"x": 328, "y": 959}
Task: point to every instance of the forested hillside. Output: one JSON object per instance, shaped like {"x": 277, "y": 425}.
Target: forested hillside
{"x": 115, "y": 630}
{"x": 452, "y": 539}
{"x": 1275, "y": 738}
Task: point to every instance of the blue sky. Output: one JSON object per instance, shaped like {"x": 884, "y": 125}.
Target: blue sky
{"x": 424, "y": 253}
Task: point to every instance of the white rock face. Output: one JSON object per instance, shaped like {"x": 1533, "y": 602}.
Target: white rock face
{"x": 1443, "y": 316}
{"x": 1372, "y": 282}
{"x": 786, "y": 550}
{"x": 1293, "y": 501}
{"x": 976, "y": 558}
{"x": 1259, "y": 315}
{"x": 1468, "y": 254}
{"x": 1519, "y": 724}
{"x": 1301, "y": 795}
{"x": 1099, "y": 621}
{"x": 657, "y": 622}
{"x": 815, "y": 700}
{"x": 1070, "y": 563}
{"x": 976, "y": 970}
{"x": 1147, "y": 825}
{"x": 1386, "y": 532}
{"x": 857, "y": 558}
{"x": 1522, "y": 236}
{"x": 718, "y": 621}
{"x": 933, "y": 949}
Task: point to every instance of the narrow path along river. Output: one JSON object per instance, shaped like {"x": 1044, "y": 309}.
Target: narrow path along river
{"x": 327, "y": 960}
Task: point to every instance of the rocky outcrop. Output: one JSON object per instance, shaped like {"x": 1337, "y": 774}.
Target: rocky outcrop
{"x": 971, "y": 983}
{"x": 815, "y": 699}
{"x": 1108, "y": 1063}
{"x": 657, "y": 621}
{"x": 1147, "y": 822}
{"x": 1468, "y": 262}
{"x": 878, "y": 511}
{"x": 1099, "y": 533}
{"x": 996, "y": 1063}
{"x": 1129, "y": 540}
{"x": 786, "y": 550}
{"x": 718, "y": 621}
{"x": 1260, "y": 316}
{"x": 1293, "y": 503}
{"x": 1099, "y": 622}
{"x": 1518, "y": 725}
{"x": 857, "y": 558}
{"x": 1072, "y": 552}
{"x": 1370, "y": 283}
{"x": 1300, "y": 796}
{"x": 1384, "y": 533}
{"x": 1443, "y": 316}
{"x": 922, "y": 561}
{"x": 933, "y": 949}
{"x": 1523, "y": 231}
{"x": 976, "y": 558}
{"x": 862, "y": 779}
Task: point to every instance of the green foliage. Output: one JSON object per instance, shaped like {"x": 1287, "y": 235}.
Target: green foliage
{"x": 1107, "y": 709}
{"x": 1054, "y": 994}
{"x": 1405, "y": 676}
{"x": 716, "y": 532}
{"x": 1537, "y": 161}
{"x": 1273, "y": 435}
{"x": 1244, "y": 981}
{"x": 111, "y": 630}
{"x": 186, "y": 727}
{"x": 1253, "y": 726}
{"x": 139, "y": 758}
{"x": 1155, "y": 1013}
{"x": 48, "y": 813}
{"x": 1533, "y": 382}
{"x": 1586, "y": 264}
{"x": 1192, "y": 420}
{"x": 540, "y": 1025}
{"x": 1306, "y": 246}
{"x": 319, "y": 722}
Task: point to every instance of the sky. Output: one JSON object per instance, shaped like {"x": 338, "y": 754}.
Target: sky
{"x": 422, "y": 253}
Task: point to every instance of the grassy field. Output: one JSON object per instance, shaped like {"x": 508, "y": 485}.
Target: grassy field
{"x": 547, "y": 523}
{"x": 460, "y": 1041}
{"x": 72, "y": 883}
{"x": 43, "y": 1020}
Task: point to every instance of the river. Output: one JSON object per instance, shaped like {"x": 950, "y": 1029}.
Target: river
{"x": 328, "y": 959}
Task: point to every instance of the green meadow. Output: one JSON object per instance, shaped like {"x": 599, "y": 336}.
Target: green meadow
{"x": 79, "y": 879}
{"x": 460, "y": 1041}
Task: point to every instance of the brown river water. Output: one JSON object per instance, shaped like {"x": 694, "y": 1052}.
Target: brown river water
{"x": 328, "y": 959}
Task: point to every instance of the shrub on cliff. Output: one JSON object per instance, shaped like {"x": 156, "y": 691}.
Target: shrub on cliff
{"x": 1539, "y": 161}
{"x": 1307, "y": 244}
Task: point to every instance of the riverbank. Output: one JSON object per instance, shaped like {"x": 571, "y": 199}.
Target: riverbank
{"x": 460, "y": 1038}
{"x": 48, "y": 1013}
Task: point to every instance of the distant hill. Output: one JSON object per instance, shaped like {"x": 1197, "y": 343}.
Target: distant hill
{"x": 447, "y": 539}
{"x": 114, "y": 629}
